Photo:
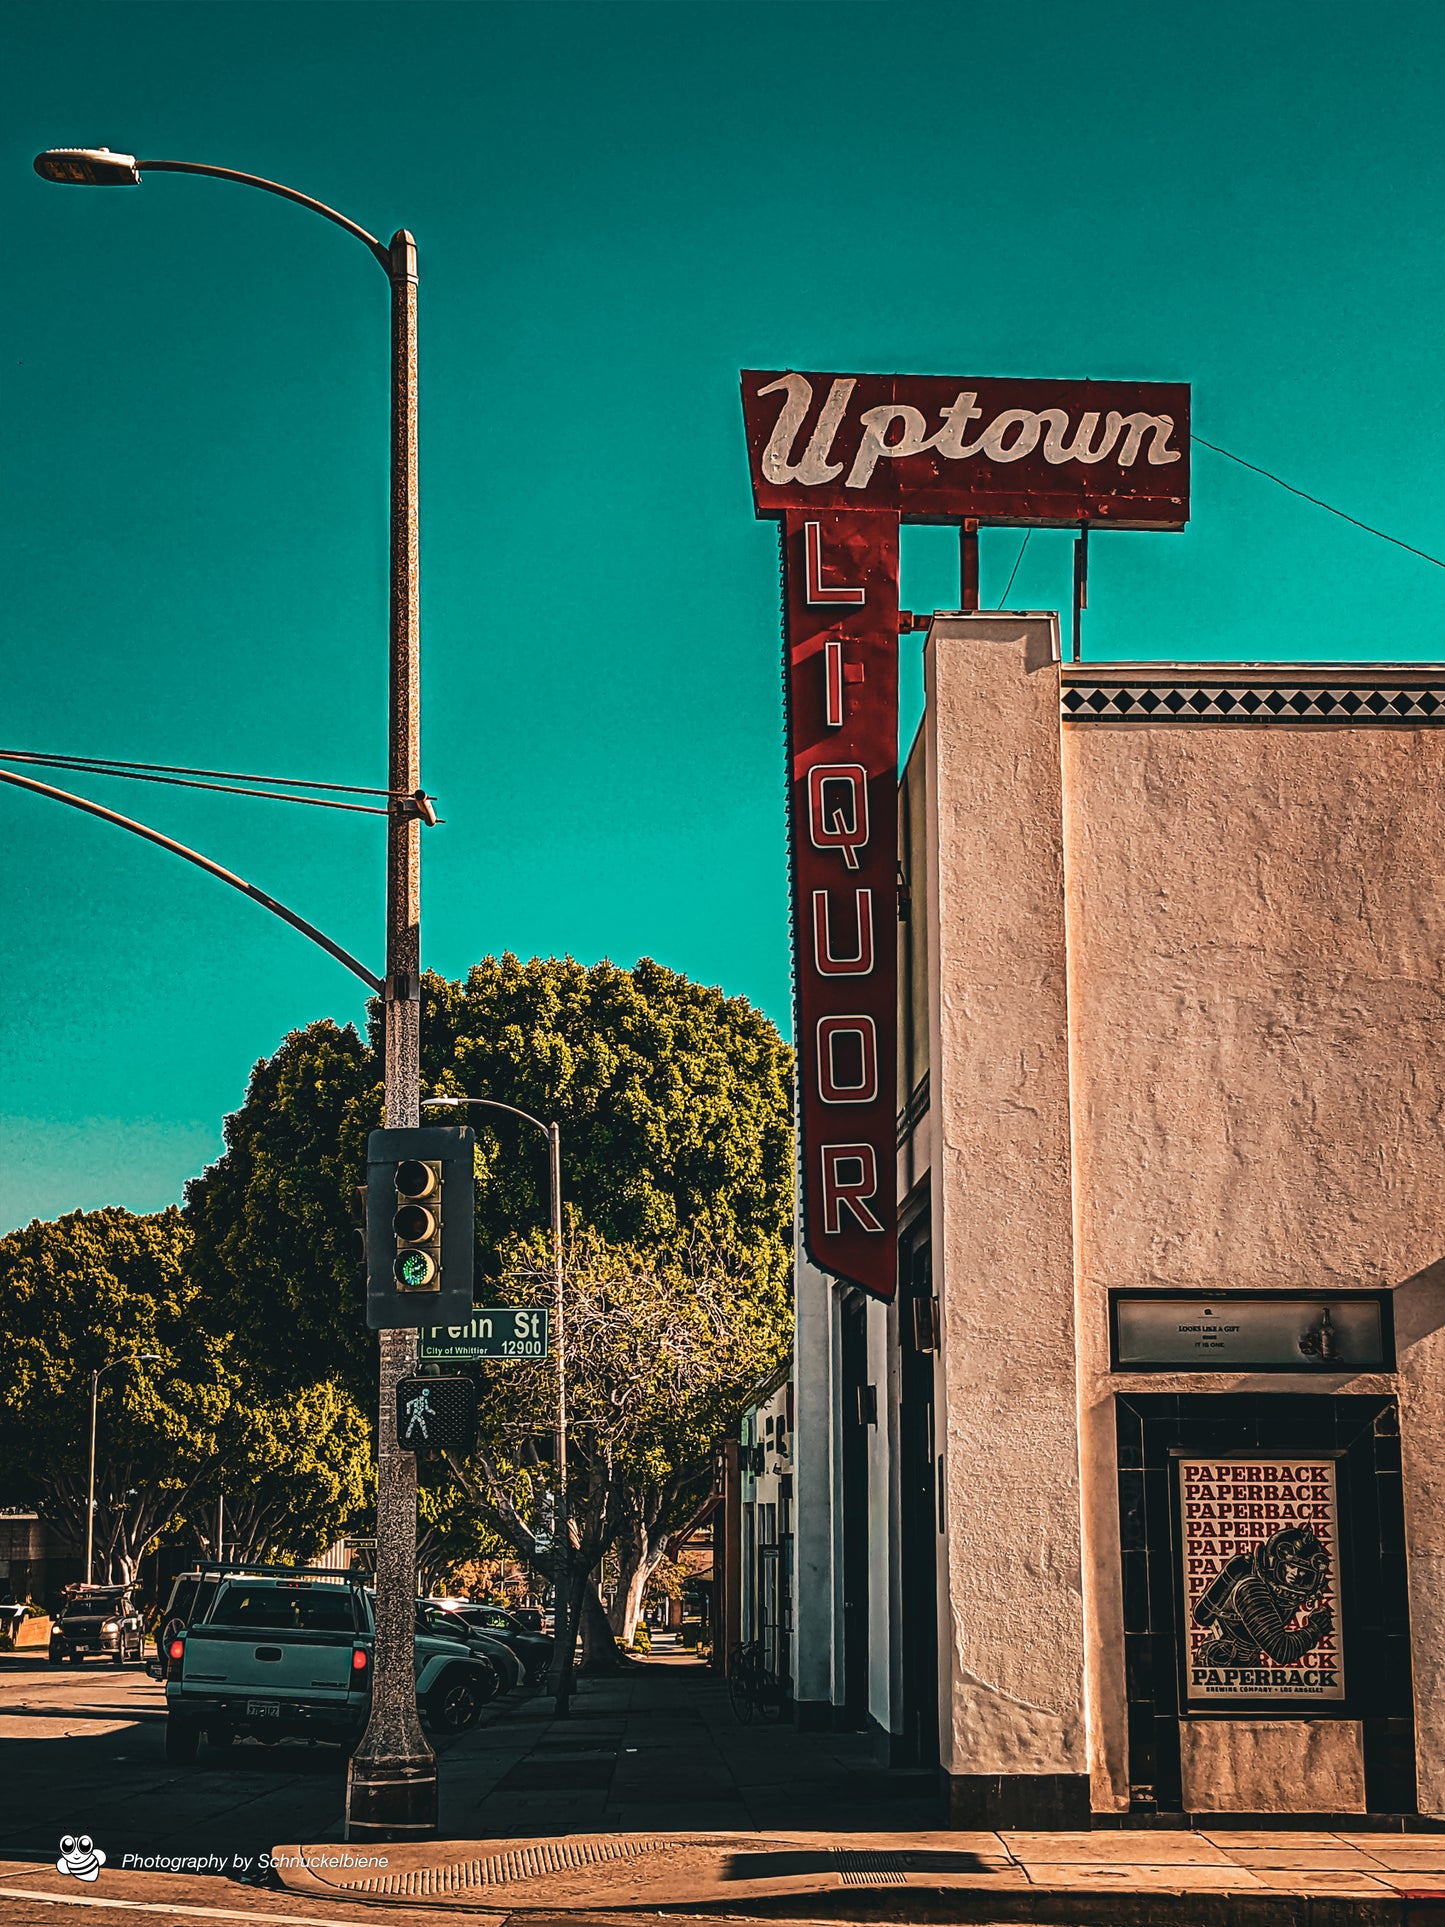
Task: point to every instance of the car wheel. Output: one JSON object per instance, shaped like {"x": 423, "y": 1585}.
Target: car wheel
{"x": 117, "y": 1658}
{"x": 457, "y": 1702}
{"x": 183, "y": 1740}
{"x": 55, "y": 1658}
{"x": 77, "y": 1659}
{"x": 220, "y": 1739}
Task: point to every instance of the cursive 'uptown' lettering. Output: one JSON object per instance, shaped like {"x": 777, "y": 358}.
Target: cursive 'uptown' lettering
{"x": 895, "y": 430}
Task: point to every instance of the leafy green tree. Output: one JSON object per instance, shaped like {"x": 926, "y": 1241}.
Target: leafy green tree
{"x": 674, "y": 1102}
{"x": 172, "y": 1437}
{"x": 451, "y": 1532}
{"x": 76, "y": 1293}
{"x": 273, "y": 1217}
{"x": 675, "y": 1110}
{"x": 661, "y": 1353}
{"x": 294, "y": 1472}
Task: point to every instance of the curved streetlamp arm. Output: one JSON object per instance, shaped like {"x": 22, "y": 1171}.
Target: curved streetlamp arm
{"x": 382, "y": 254}
{"x": 491, "y": 1104}
{"x": 202, "y": 863}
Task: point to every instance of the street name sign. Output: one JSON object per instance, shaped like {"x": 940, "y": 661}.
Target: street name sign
{"x": 501, "y": 1331}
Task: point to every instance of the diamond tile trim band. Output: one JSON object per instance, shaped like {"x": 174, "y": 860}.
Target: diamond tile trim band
{"x": 1207, "y": 702}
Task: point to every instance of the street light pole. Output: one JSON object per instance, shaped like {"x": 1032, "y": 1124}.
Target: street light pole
{"x": 554, "y": 1144}
{"x": 561, "y": 1535}
{"x": 391, "y": 1785}
{"x": 90, "y": 1490}
{"x": 145, "y": 1358}
{"x": 391, "y": 1791}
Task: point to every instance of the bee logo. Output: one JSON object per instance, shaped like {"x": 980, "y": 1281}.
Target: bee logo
{"x": 79, "y": 1856}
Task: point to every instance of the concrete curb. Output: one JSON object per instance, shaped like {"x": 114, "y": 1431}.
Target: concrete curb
{"x": 823, "y": 1877}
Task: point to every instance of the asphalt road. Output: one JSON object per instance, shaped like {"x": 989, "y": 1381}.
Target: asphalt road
{"x": 82, "y": 1750}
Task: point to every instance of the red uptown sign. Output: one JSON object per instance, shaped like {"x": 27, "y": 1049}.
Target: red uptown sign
{"x": 842, "y": 460}
{"x": 942, "y": 449}
{"x": 842, "y": 681}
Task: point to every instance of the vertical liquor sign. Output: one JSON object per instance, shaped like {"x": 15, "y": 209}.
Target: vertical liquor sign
{"x": 841, "y": 588}
{"x": 841, "y": 460}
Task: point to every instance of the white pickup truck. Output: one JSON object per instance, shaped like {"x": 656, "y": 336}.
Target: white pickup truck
{"x": 286, "y": 1653}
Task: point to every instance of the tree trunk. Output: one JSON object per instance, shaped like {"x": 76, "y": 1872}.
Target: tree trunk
{"x": 639, "y": 1554}
{"x": 600, "y": 1651}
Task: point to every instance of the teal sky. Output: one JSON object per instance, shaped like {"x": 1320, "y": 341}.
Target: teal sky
{"x": 617, "y": 207}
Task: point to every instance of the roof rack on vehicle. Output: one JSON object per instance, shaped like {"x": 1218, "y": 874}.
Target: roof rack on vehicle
{"x": 223, "y": 1566}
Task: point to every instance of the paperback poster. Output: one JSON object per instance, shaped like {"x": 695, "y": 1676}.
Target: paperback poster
{"x": 1260, "y": 1546}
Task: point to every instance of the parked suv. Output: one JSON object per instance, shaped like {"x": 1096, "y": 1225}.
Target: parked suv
{"x": 434, "y": 1618}
{"x": 191, "y": 1593}
{"x": 97, "y": 1619}
{"x": 286, "y": 1652}
{"x": 533, "y": 1649}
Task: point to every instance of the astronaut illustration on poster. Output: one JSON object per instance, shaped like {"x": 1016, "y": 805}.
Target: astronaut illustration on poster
{"x": 1261, "y": 1579}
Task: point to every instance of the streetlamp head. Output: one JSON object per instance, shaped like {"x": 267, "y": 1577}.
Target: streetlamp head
{"x": 444, "y": 1100}
{"x": 87, "y": 167}
{"x": 149, "y": 1358}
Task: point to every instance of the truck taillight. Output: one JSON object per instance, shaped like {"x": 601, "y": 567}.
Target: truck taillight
{"x": 175, "y": 1652}
{"x": 359, "y": 1660}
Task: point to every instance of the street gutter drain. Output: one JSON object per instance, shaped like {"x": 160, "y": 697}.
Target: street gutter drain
{"x": 504, "y": 1869}
{"x": 859, "y": 1868}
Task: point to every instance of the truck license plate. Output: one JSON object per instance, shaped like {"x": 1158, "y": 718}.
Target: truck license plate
{"x": 263, "y": 1709}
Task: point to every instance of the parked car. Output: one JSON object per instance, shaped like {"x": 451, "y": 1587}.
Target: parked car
{"x": 440, "y": 1618}
{"x": 532, "y": 1647}
{"x": 284, "y": 1652}
{"x": 191, "y": 1593}
{"x": 97, "y": 1619}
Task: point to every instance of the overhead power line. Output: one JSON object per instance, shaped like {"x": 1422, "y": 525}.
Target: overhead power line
{"x": 1328, "y": 507}
{"x": 1003, "y": 599}
{"x": 181, "y": 778}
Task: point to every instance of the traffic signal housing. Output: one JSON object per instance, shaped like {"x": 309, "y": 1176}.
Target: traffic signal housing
{"x": 417, "y": 1225}
{"x": 420, "y": 1204}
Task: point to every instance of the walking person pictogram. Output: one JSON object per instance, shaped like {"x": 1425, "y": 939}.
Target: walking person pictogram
{"x": 418, "y": 1411}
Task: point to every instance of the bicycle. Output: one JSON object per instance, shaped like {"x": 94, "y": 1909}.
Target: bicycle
{"x": 752, "y": 1688}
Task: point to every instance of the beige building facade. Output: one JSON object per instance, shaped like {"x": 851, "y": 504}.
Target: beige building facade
{"x": 1143, "y": 1519}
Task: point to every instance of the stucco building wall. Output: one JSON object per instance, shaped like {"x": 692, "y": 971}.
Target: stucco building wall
{"x": 1011, "y": 1623}
{"x": 1185, "y": 994}
{"x": 1256, "y": 929}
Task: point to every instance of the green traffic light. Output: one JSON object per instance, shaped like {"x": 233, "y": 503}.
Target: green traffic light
{"x": 415, "y": 1270}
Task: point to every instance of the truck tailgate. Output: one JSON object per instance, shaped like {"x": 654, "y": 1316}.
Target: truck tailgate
{"x": 266, "y": 1664}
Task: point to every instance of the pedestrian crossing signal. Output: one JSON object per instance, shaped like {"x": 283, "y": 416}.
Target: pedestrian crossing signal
{"x": 436, "y": 1414}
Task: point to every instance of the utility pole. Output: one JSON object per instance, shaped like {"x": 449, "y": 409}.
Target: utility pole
{"x": 143, "y": 1358}
{"x": 391, "y": 1789}
{"x": 562, "y": 1535}
{"x": 90, "y": 1488}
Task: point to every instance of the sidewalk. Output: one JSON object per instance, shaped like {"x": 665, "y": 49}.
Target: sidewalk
{"x": 651, "y": 1797}
{"x": 657, "y": 1749}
